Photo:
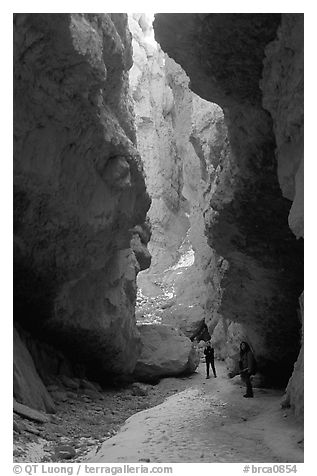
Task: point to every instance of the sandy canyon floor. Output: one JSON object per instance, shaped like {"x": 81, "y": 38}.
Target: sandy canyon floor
{"x": 188, "y": 419}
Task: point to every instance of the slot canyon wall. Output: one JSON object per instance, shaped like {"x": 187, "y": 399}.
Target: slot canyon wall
{"x": 156, "y": 142}
{"x": 251, "y": 65}
{"x": 163, "y": 107}
{"x": 80, "y": 201}
{"x": 202, "y": 137}
{"x": 183, "y": 143}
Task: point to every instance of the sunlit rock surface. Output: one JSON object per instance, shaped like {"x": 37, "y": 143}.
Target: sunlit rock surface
{"x": 153, "y": 105}
{"x": 166, "y": 351}
{"x": 163, "y": 106}
{"x": 247, "y": 219}
{"x": 187, "y": 140}
{"x": 79, "y": 189}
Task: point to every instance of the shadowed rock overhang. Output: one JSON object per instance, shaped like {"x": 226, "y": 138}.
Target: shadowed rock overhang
{"x": 223, "y": 55}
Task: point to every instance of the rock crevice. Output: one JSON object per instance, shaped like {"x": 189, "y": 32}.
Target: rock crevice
{"x": 240, "y": 62}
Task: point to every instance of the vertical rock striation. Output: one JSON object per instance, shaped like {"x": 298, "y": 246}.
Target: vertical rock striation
{"x": 247, "y": 219}
{"x": 283, "y": 96}
{"x": 28, "y": 387}
{"x": 282, "y": 85}
{"x": 79, "y": 191}
{"x": 201, "y": 138}
{"x": 164, "y": 118}
{"x": 154, "y": 106}
{"x": 184, "y": 146}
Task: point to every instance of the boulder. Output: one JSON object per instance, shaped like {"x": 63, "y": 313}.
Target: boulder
{"x": 165, "y": 351}
{"x": 188, "y": 318}
{"x": 65, "y": 452}
{"x": 29, "y": 413}
{"x": 28, "y": 387}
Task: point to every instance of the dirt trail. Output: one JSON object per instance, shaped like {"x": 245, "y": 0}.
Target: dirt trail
{"x": 208, "y": 422}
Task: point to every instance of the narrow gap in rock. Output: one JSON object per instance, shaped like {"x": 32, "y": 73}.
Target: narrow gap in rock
{"x": 158, "y": 204}
{"x": 182, "y": 140}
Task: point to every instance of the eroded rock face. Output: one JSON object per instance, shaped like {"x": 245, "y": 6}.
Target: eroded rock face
{"x": 165, "y": 352}
{"x": 202, "y": 131}
{"x": 164, "y": 106}
{"x": 79, "y": 193}
{"x": 294, "y": 395}
{"x": 157, "y": 143}
{"x": 247, "y": 218}
{"x": 283, "y": 97}
{"x": 186, "y": 141}
{"x": 202, "y": 138}
{"x": 28, "y": 387}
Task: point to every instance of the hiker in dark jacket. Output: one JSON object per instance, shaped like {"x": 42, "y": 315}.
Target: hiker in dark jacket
{"x": 210, "y": 359}
{"x": 247, "y": 366}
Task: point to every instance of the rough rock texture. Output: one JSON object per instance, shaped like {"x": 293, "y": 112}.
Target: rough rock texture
{"x": 163, "y": 106}
{"x": 205, "y": 135}
{"x": 27, "y": 384}
{"x": 283, "y": 97}
{"x": 165, "y": 352}
{"x": 153, "y": 105}
{"x": 50, "y": 362}
{"x": 29, "y": 413}
{"x": 186, "y": 140}
{"x": 79, "y": 191}
{"x": 248, "y": 216}
{"x": 294, "y": 395}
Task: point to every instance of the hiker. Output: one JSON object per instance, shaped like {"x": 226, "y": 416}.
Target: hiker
{"x": 247, "y": 366}
{"x": 210, "y": 359}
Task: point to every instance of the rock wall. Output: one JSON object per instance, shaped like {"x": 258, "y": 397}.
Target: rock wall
{"x": 184, "y": 138}
{"x": 283, "y": 97}
{"x": 247, "y": 217}
{"x": 163, "y": 106}
{"x": 154, "y": 105}
{"x": 80, "y": 199}
{"x": 294, "y": 396}
{"x": 28, "y": 387}
{"x": 201, "y": 136}
{"x": 79, "y": 193}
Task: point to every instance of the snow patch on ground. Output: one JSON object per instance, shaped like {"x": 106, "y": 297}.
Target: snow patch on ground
{"x": 209, "y": 422}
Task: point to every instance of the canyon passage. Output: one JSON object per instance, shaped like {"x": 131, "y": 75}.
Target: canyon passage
{"x": 158, "y": 204}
